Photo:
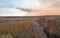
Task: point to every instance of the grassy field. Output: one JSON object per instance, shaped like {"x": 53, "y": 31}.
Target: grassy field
{"x": 25, "y": 28}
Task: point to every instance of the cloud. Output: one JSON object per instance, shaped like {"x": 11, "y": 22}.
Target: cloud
{"x": 11, "y": 12}
{"x": 25, "y": 9}
{"x": 21, "y": 7}
{"x": 29, "y": 4}
{"x": 36, "y": 4}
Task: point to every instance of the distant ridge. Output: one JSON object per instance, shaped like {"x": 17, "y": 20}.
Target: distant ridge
{"x": 29, "y": 16}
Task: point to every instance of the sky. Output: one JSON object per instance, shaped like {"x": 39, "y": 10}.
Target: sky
{"x": 7, "y": 7}
{"x": 22, "y": 7}
{"x": 19, "y": 3}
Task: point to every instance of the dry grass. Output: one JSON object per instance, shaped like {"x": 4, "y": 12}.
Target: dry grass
{"x": 13, "y": 27}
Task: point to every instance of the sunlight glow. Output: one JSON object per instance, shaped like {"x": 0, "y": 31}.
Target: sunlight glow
{"x": 12, "y": 12}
